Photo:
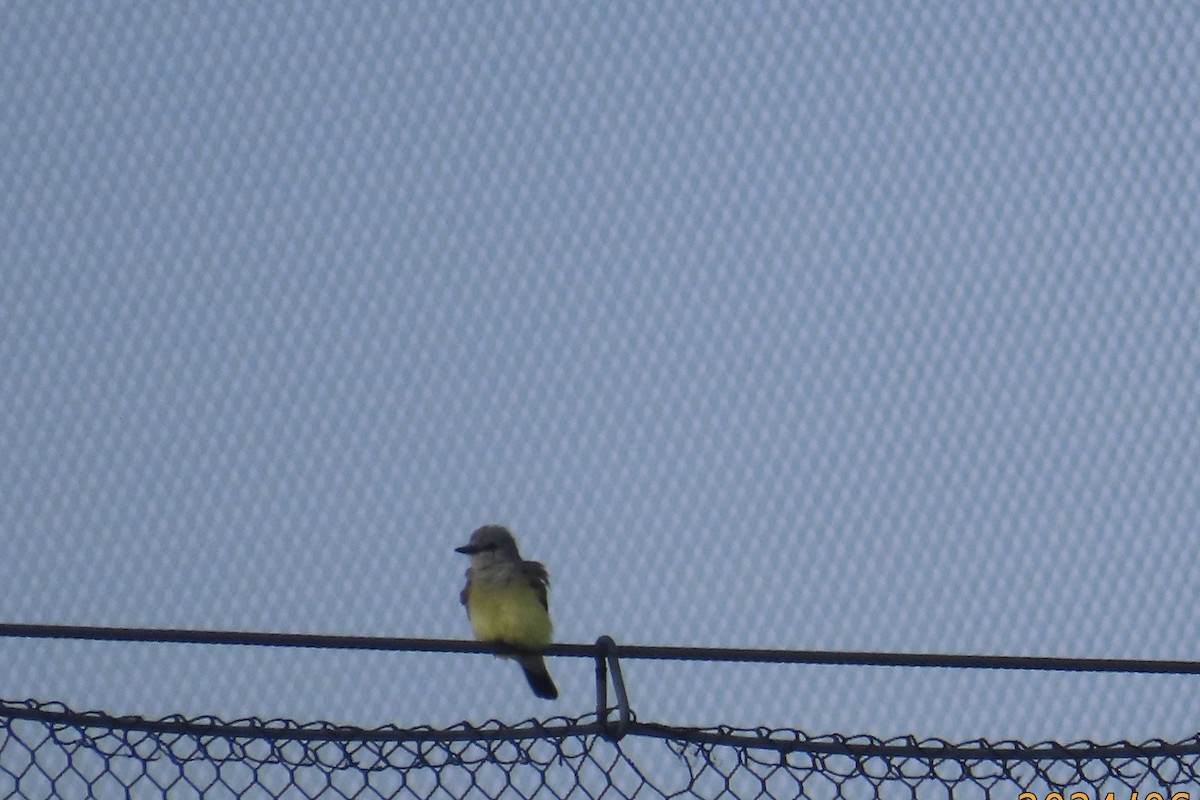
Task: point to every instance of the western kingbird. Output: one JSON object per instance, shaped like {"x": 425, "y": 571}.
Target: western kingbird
{"x": 506, "y": 601}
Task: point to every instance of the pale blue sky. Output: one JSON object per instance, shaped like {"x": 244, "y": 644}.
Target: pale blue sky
{"x": 852, "y": 325}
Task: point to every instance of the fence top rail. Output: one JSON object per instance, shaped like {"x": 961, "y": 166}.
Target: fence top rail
{"x": 624, "y": 651}
{"x": 781, "y": 741}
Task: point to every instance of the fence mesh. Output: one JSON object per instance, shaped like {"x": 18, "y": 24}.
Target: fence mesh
{"x": 48, "y": 750}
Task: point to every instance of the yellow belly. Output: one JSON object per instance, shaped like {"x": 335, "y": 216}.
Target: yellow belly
{"x": 510, "y": 614}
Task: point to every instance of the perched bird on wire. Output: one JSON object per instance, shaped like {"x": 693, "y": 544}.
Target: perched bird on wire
{"x": 505, "y": 597}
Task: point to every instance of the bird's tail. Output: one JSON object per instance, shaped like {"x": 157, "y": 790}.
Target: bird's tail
{"x": 539, "y": 677}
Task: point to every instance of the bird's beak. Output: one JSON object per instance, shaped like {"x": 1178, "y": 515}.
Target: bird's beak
{"x": 467, "y": 550}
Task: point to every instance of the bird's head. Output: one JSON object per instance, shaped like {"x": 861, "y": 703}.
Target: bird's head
{"x": 490, "y": 544}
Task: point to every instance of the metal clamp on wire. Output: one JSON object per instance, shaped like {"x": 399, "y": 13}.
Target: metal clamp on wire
{"x": 606, "y": 661}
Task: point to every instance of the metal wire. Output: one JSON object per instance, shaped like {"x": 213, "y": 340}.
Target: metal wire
{"x": 627, "y": 651}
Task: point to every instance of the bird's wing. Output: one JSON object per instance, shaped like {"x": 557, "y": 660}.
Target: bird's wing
{"x": 465, "y": 594}
{"x": 538, "y": 578}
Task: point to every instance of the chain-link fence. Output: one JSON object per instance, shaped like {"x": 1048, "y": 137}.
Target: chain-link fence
{"x": 48, "y": 750}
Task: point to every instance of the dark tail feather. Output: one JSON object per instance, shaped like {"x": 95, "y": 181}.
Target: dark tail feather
{"x": 539, "y": 677}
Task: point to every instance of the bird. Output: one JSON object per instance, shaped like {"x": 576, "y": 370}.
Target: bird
{"x": 506, "y": 601}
